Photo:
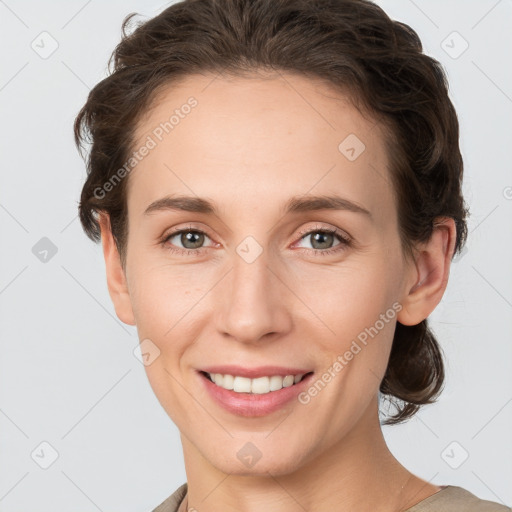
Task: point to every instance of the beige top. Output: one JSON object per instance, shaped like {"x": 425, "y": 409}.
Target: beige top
{"x": 449, "y": 499}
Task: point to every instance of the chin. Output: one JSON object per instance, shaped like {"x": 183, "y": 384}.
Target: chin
{"x": 246, "y": 459}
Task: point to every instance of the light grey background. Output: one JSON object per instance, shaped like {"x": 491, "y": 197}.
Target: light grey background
{"x": 68, "y": 373}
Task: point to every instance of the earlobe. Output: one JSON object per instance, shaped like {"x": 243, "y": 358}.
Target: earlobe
{"x": 429, "y": 273}
{"x": 116, "y": 279}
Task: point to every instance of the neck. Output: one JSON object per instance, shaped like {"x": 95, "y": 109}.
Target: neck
{"x": 357, "y": 473}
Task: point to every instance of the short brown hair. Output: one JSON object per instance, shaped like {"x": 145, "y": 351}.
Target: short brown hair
{"x": 350, "y": 44}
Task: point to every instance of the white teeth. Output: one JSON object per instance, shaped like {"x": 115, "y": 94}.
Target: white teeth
{"x": 276, "y": 383}
{"x": 228, "y": 382}
{"x": 241, "y": 384}
{"x": 259, "y": 386}
{"x": 288, "y": 381}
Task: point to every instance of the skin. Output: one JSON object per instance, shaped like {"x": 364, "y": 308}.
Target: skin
{"x": 249, "y": 145}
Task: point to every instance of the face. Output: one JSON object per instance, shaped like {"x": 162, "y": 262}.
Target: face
{"x": 267, "y": 277}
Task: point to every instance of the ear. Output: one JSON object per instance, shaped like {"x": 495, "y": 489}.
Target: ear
{"x": 116, "y": 279}
{"x": 429, "y": 274}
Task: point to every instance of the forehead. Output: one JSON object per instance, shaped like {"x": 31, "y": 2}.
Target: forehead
{"x": 253, "y": 137}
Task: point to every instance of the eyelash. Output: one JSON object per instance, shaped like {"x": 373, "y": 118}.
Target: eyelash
{"x": 345, "y": 241}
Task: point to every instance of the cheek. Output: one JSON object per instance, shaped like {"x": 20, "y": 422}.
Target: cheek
{"x": 160, "y": 295}
{"x": 161, "y": 316}
{"x": 352, "y": 294}
{"x": 167, "y": 306}
{"x": 359, "y": 306}
{"x": 167, "y": 386}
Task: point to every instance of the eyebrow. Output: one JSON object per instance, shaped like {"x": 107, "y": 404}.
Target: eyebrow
{"x": 296, "y": 204}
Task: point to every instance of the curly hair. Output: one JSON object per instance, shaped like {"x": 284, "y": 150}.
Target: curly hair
{"x": 350, "y": 44}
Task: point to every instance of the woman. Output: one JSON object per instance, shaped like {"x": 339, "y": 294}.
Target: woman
{"x": 277, "y": 188}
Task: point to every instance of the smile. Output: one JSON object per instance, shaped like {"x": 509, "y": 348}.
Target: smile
{"x": 259, "y": 392}
{"x": 260, "y": 385}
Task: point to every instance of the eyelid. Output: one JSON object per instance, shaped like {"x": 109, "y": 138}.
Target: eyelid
{"x": 344, "y": 238}
{"x": 188, "y": 227}
{"x": 326, "y": 228}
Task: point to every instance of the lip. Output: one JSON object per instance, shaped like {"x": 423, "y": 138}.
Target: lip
{"x": 254, "y": 373}
{"x": 249, "y": 404}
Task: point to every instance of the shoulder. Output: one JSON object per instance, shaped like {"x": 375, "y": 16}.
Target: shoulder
{"x": 172, "y": 503}
{"x": 452, "y": 498}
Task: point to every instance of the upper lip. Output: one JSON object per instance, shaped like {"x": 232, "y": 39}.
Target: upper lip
{"x": 254, "y": 373}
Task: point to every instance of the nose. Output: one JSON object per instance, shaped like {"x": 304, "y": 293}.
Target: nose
{"x": 252, "y": 301}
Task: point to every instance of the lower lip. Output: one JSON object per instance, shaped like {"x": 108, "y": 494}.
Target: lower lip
{"x": 252, "y": 404}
